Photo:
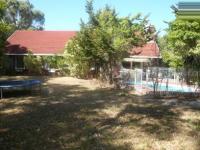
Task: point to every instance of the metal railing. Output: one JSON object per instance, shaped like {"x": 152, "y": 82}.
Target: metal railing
{"x": 160, "y": 79}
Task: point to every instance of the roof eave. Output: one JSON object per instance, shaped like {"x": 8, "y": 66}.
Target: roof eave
{"x": 26, "y": 54}
{"x": 137, "y": 56}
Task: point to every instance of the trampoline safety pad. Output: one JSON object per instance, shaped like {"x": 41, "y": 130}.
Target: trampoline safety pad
{"x": 18, "y": 84}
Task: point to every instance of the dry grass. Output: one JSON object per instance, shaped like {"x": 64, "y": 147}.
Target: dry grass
{"x": 77, "y": 114}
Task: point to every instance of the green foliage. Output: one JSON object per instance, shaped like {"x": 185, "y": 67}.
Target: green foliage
{"x": 58, "y": 62}
{"x": 4, "y": 29}
{"x": 53, "y": 61}
{"x": 2, "y": 8}
{"x": 5, "y": 66}
{"x": 17, "y": 14}
{"x": 172, "y": 59}
{"x": 169, "y": 57}
{"x": 182, "y": 40}
{"x": 104, "y": 40}
{"x": 22, "y": 15}
{"x": 33, "y": 64}
{"x": 76, "y": 57}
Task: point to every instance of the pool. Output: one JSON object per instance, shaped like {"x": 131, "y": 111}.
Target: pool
{"x": 18, "y": 84}
{"x": 174, "y": 88}
{"x": 163, "y": 87}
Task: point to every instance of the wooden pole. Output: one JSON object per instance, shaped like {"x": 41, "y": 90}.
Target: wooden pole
{"x": 1, "y": 93}
{"x": 131, "y": 65}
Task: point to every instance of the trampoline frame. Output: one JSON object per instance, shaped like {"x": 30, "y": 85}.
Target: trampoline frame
{"x": 18, "y": 84}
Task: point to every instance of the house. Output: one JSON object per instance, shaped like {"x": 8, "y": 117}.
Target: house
{"x": 187, "y": 10}
{"x": 39, "y": 43}
{"x": 50, "y": 43}
{"x": 142, "y": 57}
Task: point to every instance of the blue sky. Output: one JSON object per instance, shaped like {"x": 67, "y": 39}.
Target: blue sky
{"x": 66, "y": 14}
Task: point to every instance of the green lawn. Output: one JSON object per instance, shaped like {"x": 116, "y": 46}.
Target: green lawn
{"x": 75, "y": 114}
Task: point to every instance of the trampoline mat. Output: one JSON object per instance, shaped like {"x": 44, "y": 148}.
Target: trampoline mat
{"x": 19, "y": 83}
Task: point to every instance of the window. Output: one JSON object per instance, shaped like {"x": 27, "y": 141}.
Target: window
{"x": 126, "y": 64}
{"x": 19, "y": 63}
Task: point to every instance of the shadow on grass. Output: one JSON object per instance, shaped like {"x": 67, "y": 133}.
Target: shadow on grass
{"x": 55, "y": 121}
{"x": 156, "y": 120}
{"x": 68, "y": 117}
{"x": 195, "y": 125}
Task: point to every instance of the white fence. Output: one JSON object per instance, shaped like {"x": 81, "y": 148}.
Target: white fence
{"x": 162, "y": 79}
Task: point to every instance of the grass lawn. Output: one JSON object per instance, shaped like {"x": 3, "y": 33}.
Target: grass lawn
{"x": 77, "y": 114}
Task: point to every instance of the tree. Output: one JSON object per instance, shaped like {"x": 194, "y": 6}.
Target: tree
{"x": 183, "y": 38}
{"x": 22, "y": 15}
{"x": 104, "y": 40}
{"x": 4, "y": 29}
{"x": 168, "y": 56}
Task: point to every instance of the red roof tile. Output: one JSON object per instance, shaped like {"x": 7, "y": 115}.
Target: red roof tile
{"x": 150, "y": 49}
{"x": 38, "y": 42}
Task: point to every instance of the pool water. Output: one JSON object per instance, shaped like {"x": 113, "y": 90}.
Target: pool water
{"x": 162, "y": 87}
{"x": 174, "y": 88}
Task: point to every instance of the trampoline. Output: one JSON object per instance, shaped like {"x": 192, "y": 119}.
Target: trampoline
{"x": 18, "y": 84}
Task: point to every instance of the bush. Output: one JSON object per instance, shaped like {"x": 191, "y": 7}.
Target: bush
{"x": 33, "y": 64}
{"x": 36, "y": 64}
{"x": 58, "y": 62}
{"x": 5, "y": 66}
{"x": 79, "y": 70}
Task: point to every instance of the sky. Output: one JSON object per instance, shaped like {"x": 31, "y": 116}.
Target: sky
{"x": 66, "y": 14}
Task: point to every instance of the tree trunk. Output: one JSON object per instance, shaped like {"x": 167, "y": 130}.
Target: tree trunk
{"x": 187, "y": 75}
{"x": 110, "y": 72}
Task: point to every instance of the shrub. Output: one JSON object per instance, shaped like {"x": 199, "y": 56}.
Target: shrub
{"x": 33, "y": 64}
{"x": 36, "y": 64}
{"x": 58, "y": 62}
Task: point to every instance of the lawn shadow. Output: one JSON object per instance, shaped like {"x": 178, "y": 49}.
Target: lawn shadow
{"x": 157, "y": 120}
{"x": 59, "y": 120}
{"x": 71, "y": 117}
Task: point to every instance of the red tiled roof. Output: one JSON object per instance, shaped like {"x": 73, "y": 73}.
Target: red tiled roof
{"x": 150, "y": 49}
{"x": 38, "y": 42}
